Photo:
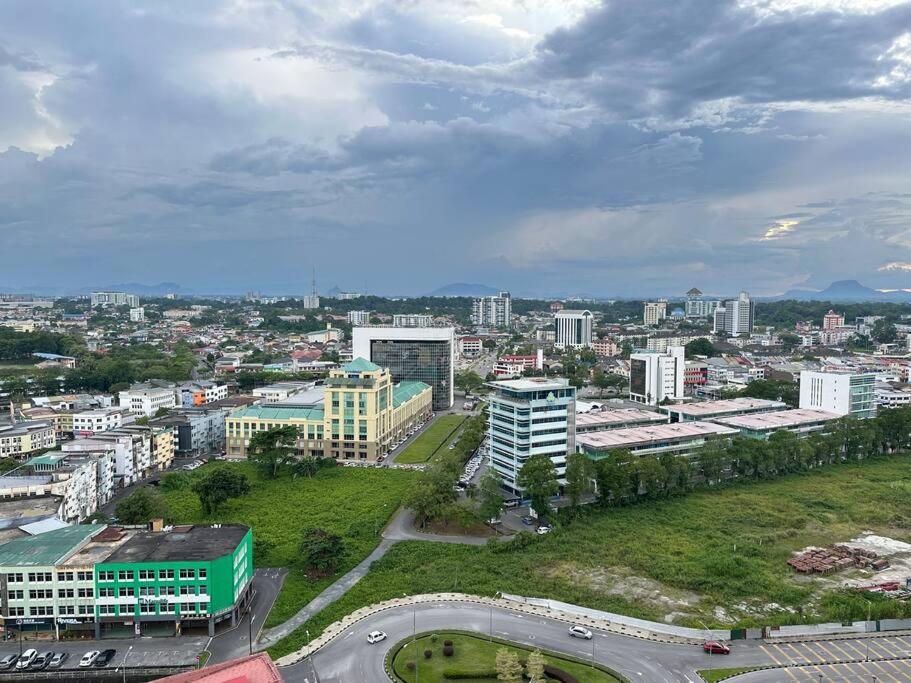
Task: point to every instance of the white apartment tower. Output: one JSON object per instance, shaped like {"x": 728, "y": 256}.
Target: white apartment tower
{"x": 654, "y": 312}
{"x": 114, "y": 299}
{"x": 573, "y": 329}
{"x": 359, "y": 317}
{"x": 492, "y": 311}
{"x": 735, "y": 317}
{"x": 844, "y": 393}
{"x": 654, "y": 377}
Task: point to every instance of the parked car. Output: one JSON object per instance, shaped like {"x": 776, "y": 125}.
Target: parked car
{"x": 375, "y": 637}
{"x": 58, "y": 659}
{"x": 541, "y": 530}
{"x": 580, "y": 632}
{"x": 8, "y": 662}
{"x": 89, "y": 658}
{"x": 715, "y": 648}
{"x": 528, "y": 521}
{"x": 494, "y": 521}
{"x": 105, "y": 657}
{"x": 26, "y": 658}
{"x": 42, "y": 660}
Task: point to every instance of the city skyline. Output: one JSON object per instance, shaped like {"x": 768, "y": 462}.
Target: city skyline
{"x": 615, "y": 149}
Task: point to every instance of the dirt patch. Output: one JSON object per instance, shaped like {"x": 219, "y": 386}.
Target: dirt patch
{"x": 619, "y": 581}
{"x": 897, "y": 552}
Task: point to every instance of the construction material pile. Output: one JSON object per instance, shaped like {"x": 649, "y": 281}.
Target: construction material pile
{"x": 835, "y": 558}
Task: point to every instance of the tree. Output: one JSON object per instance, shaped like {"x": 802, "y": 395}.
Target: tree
{"x": 534, "y": 667}
{"x": 489, "y": 496}
{"x": 509, "y": 670}
{"x": 883, "y": 332}
{"x": 468, "y": 381}
{"x": 773, "y": 390}
{"x": 161, "y": 412}
{"x": 305, "y": 467}
{"x": 600, "y": 381}
{"x": 218, "y": 487}
{"x": 789, "y": 340}
{"x": 626, "y": 348}
{"x": 579, "y": 474}
{"x": 432, "y": 494}
{"x": 538, "y": 478}
{"x": 141, "y": 506}
{"x": 321, "y": 551}
{"x": 272, "y": 449}
{"x": 489, "y": 344}
{"x": 700, "y": 347}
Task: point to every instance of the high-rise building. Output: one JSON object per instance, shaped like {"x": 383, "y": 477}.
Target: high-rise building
{"x": 697, "y": 307}
{"x": 833, "y": 320}
{"x": 735, "y": 317}
{"x": 654, "y": 312}
{"x": 492, "y": 311}
{"x": 412, "y": 354}
{"x": 573, "y": 329}
{"x": 359, "y": 317}
{"x": 114, "y": 299}
{"x": 654, "y": 377}
{"x": 843, "y": 393}
{"x": 412, "y": 320}
{"x": 530, "y": 416}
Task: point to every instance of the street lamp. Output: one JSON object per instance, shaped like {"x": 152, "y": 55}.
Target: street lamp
{"x": 490, "y": 632}
{"x": 710, "y": 649}
{"x": 123, "y": 664}
{"x": 250, "y": 627}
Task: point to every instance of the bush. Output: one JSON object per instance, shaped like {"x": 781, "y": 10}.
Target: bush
{"x": 559, "y": 674}
{"x": 463, "y": 675}
{"x": 434, "y": 637}
{"x": 448, "y": 650}
{"x": 428, "y": 654}
{"x": 447, "y": 642}
{"x": 410, "y": 666}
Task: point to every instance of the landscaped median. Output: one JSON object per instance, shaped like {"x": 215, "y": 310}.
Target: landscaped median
{"x": 458, "y": 655}
{"x": 716, "y": 675}
{"x": 430, "y": 440}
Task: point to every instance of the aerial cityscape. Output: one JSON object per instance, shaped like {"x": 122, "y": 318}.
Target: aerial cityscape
{"x": 413, "y": 342}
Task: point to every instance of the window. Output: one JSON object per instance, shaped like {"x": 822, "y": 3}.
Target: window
{"x": 147, "y": 608}
{"x": 16, "y": 595}
{"x": 86, "y": 609}
{"x": 16, "y": 611}
{"x": 166, "y": 574}
{"x": 105, "y": 576}
{"x": 65, "y": 576}
{"x": 66, "y": 593}
{"x": 203, "y": 589}
{"x": 41, "y": 611}
{"x": 14, "y": 578}
{"x": 125, "y": 575}
{"x": 146, "y": 590}
{"x": 42, "y": 594}
{"x": 186, "y": 590}
{"x": 67, "y": 609}
{"x": 105, "y": 592}
{"x": 166, "y": 590}
{"x": 187, "y": 574}
{"x": 87, "y": 592}
{"x": 84, "y": 576}
{"x": 106, "y": 609}
{"x": 146, "y": 574}
{"x": 35, "y": 577}
{"x": 201, "y": 572}
{"x": 127, "y": 592}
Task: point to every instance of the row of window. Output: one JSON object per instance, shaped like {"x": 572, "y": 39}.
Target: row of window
{"x": 130, "y": 591}
{"x": 150, "y": 574}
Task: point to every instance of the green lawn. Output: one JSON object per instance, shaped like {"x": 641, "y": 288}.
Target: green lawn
{"x": 426, "y": 444}
{"x": 353, "y": 502}
{"x": 476, "y": 655}
{"x": 722, "y": 548}
{"x": 721, "y": 674}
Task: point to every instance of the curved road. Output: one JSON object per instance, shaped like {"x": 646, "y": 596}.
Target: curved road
{"x": 349, "y": 657}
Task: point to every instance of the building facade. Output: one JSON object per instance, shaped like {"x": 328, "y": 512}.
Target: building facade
{"x": 573, "y": 329}
{"x": 412, "y": 355}
{"x": 24, "y": 438}
{"x": 492, "y": 311}
{"x": 656, "y": 377}
{"x": 653, "y": 312}
{"x": 843, "y": 393}
{"x": 530, "y": 416}
{"x": 735, "y": 317}
{"x": 358, "y": 317}
{"x": 145, "y": 400}
{"x": 412, "y": 320}
{"x": 114, "y": 299}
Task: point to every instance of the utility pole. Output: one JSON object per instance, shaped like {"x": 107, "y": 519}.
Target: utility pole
{"x": 250, "y": 628}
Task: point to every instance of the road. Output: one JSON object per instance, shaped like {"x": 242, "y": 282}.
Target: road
{"x": 146, "y": 652}
{"x": 350, "y": 658}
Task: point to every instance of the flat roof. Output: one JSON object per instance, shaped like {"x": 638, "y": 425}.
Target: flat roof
{"x": 640, "y": 436}
{"x": 181, "y": 545}
{"x": 405, "y": 391}
{"x": 530, "y": 383}
{"x": 621, "y": 416}
{"x": 21, "y": 428}
{"x": 277, "y": 411}
{"x": 779, "y": 419}
{"x": 726, "y": 405}
{"x": 48, "y": 548}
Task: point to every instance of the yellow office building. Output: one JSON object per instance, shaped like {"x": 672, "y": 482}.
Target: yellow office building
{"x": 362, "y": 413}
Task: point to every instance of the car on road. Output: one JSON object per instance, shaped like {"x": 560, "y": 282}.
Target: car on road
{"x": 528, "y": 521}
{"x": 105, "y": 657}
{"x": 541, "y": 530}
{"x": 58, "y": 659}
{"x": 26, "y": 658}
{"x": 375, "y": 637}
{"x": 8, "y": 662}
{"x": 89, "y": 658}
{"x": 42, "y": 660}
{"x": 580, "y": 632}
{"x": 713, "y": 647}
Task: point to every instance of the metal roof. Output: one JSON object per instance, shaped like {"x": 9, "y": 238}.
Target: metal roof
{"x": 279, "y": 412}
{"x": 46, "y": 549}
{"x": 360, "y": 365}
{"x": 405, "y": 391}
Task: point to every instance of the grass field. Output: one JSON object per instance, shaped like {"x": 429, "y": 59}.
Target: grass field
{"x": 477, "y": 656}
{"x": 721, "y": 674}
{"x": 682, "y": 557}
{"x": 352, "y": 502}
{"x": 425, "y": 445}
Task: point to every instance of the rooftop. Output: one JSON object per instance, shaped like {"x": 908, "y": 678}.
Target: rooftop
{"x": 614, "y": 417}
{"x": 361, "y": 365}
{"x": 728, "y": 405}
{"x": 779, "y": 419}
{"x": 48, "y": 548}
{"x": 257, "y": 668}
{"x": 21, "y": 428}
{"x": 183, "y": 544}
{"x": 405, "y": 391}
{"x": 531, "y": 383}
{"x": 641, "y": 436}
{"x": 277, "y": 411}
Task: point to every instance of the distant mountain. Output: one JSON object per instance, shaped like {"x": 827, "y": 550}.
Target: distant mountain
{"x": 464, "y": 289}
{"x": 845, "y": 290}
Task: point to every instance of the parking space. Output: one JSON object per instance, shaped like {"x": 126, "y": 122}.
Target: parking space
{"x": 872, "y": 648}
{"x": 859, "y": 672}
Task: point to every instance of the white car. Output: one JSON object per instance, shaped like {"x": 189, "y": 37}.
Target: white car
{"x": 543, "y": 530}
{"x": 375, "y": 637}
{"x": 580, "y": 632}
{"x": 26, "y": 658}
{"x": 89, "y": 658}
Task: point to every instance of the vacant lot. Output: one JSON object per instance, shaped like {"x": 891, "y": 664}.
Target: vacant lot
{"x": 475, "y": 656}
{"x": 432, "y": 438}
{"x": 352, "y": 502}
{"x": 718, "y": 555}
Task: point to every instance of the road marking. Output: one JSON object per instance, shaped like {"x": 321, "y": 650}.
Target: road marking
{"x": 852, "y": 646}
{"x": 799, "y": 653}
{"x": 775, "y": 659}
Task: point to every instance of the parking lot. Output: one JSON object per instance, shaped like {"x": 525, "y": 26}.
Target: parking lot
{"x": 872, "y": 656}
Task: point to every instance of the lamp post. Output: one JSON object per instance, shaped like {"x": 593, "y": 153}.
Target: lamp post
{"x": 250, "y": 628}
{"x": 123, "y": 664}
{"x": 710, "y": 649}
{"x": 593, "y": 650}
{"x": 490, "y": 631}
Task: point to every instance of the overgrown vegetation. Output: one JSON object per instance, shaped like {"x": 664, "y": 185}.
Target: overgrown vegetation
{"x": 432, "y": 439}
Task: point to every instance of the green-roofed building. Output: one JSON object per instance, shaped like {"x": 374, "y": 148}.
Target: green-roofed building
{"x": 363, "y": 413}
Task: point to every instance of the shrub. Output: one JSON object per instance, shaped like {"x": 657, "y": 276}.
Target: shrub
{"x": 410, "y": 666}
{"x": 434, "y": 637}
{"x": 448, "y": 650}
{"x": 447, "y": 642}
{"x": 559, "y": 674}
{"x": 428, "y": 654}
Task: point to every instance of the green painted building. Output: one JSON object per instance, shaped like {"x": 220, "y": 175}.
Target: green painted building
{"x": 191, "y": 576}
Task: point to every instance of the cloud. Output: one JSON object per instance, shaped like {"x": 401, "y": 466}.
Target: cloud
{"x": 779, "y": 229}
{"x": 895, "y": 266}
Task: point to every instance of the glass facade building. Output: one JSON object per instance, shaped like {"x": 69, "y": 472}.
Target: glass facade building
{"x": 427, "y": 361}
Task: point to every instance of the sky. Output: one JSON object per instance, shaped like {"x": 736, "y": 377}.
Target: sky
{"x": 548, "y": 147}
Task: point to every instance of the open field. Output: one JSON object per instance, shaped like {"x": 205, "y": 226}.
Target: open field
{"x": 432, "y": 438}
{"x": 352, "y": 502}
{"x": 475, "y": 655}
{"x": 716, "y": 555}
{"x": 714, "y": 675}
